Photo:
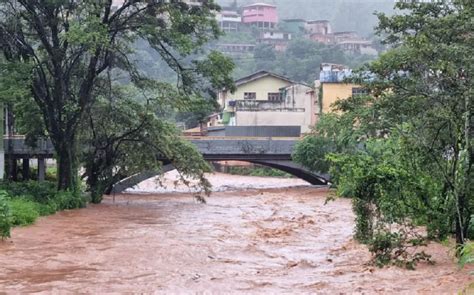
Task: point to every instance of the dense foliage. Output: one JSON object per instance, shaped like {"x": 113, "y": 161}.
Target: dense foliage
{"x": 5, "y": 224}
{"x": 300, "y": 62}
{"x": 61, "y": 58}
{"x": 257, "y": 171}
{"x": 22, "y": 203}
{"x": 403, "y": 153}
{"x": 126, "y": 137}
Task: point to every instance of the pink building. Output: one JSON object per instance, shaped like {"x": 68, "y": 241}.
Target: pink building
{"x": 261, "y": 15}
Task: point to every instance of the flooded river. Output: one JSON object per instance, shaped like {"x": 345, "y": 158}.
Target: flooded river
{"x": 271, "y": 239}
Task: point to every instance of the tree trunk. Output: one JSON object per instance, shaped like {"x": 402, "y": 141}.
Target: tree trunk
{"x": 67, "y": 165}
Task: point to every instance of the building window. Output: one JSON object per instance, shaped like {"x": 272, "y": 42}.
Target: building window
{"x": 359, "y": 91}
{"x": 250, "y": 95}
{"x": 275, "y": 96}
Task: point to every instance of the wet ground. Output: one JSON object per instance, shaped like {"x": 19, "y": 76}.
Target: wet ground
{"x": 266, "y": 240}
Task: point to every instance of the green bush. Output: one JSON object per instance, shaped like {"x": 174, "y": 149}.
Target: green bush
{"x": 258, "y": 171}
{"x": 466, "y": 254}
{"x": 5, "y": 222}
{"x": 21, "y": 203}
{"x": 50, "y": 174}
{"x": 23, "y": 211}
{"x": 40, "y": 192}
{"x": 69, "y": 200}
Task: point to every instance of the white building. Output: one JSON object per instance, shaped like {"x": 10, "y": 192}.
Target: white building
{"x": 267, "y": 99}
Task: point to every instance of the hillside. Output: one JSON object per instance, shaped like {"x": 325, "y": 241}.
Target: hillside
{"x": 344, "y": 15}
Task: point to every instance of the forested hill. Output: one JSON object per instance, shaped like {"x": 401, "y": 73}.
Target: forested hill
{"x": 344, "y": 15}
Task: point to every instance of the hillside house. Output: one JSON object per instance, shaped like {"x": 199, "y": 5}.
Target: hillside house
{"x": 295, "y": 25}
{"x": 334, "y": 87}
{"x": 238, "y": 48}
{"x": 229, "y": 21}
{"x": 279, "y": 40}
{"x": 260, "y": 15}
{"x": 322, "y": 27}
{"x": 267, "y": 99}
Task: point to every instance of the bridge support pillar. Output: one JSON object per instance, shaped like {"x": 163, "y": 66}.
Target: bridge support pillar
{"x": 25, "y": 171}
{"x": 2, "y": 163}
{"x": 12, "y": 169}
{"x": 41, "y": 169}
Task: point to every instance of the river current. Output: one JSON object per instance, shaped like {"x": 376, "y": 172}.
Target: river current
{"x": 272, "y": 236}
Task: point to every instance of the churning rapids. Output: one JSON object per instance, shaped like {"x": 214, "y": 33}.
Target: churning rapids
{"x": 278, "y": 236}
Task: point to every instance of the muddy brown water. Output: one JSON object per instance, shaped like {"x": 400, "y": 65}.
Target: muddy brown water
{"x": 278, "y": 240}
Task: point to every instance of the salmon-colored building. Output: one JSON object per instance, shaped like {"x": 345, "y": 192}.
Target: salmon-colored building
{"x": 261, "y": 15}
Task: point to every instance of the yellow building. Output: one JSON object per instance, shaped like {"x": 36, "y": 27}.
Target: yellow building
{"x": 331, "y": 92}
{"x": 333, "y": 87}
{"x": 262, "y": 86}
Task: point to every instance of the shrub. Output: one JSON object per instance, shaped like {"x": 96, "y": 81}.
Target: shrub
{"x": 40, "y": 192}
{"x": 5, "y": 222}
{"x": 69, "y": 200}
{"x": 466, "y": 254}
{"x": 258, "y": 171}
{"x": 23, "y": 211}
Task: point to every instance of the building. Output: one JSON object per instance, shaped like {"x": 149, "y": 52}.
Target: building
{"x": 229, "y": 21}
{"x": 357, "y": 47}
{"x": 193, "y": 2}
{"x": 319, "y": 31}
{"x": 322, "y": 27}
{"x": 295, "y": 26}
{"x": 333, "y": 85}
{"x": 260, "y": 15}
{"x": 236, "y": 47}
{"x": 279, "y": 40}
{"x": 321, "y": 38}
{"x": 345, "y": 36}
{"x": 267, "y": 99}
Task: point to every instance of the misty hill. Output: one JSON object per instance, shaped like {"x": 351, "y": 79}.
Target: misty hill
{"x": 344, "y": 15}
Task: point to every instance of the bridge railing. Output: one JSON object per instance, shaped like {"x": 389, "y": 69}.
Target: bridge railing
{"x": 16, "y": 146}
{"x": 264, "y": 147}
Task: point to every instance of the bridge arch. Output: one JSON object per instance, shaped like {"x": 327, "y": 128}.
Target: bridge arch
{"x": 283, "y": 165}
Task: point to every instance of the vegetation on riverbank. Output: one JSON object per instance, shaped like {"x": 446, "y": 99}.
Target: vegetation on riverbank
{"x": 64, "y": 76}
{"x": 257, "y": 171}
{"x": 22, "y": 203}
{"x": 403, "y": 152}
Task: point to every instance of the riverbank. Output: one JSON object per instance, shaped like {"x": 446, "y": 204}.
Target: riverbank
{"x": 267, "y": 240}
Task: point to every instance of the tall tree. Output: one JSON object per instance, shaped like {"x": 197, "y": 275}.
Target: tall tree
{"x": 404, "y": 152}
{"x": 74, "y": 48}
{"x": 428, "y": 80}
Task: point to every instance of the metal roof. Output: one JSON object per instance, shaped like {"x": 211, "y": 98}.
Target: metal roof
{"x": 258, "y": 75}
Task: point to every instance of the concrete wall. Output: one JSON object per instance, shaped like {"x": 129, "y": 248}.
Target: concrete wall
{"x": 331, "y": 92}
{"x": 273, "y": 119}
{"x": 261, "y": 86}
{"x": 298, "y": 108}
{"x": 263, "y": 131}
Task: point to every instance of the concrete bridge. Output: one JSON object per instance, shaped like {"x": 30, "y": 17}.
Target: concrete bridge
{"x": 273, "y": 152}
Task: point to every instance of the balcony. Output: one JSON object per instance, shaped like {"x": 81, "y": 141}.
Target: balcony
{"x": 263, "y": 106}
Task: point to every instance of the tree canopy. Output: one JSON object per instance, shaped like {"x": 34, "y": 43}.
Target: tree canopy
{"x": 404, "y": 152}
{"x": 68, "y": 56}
